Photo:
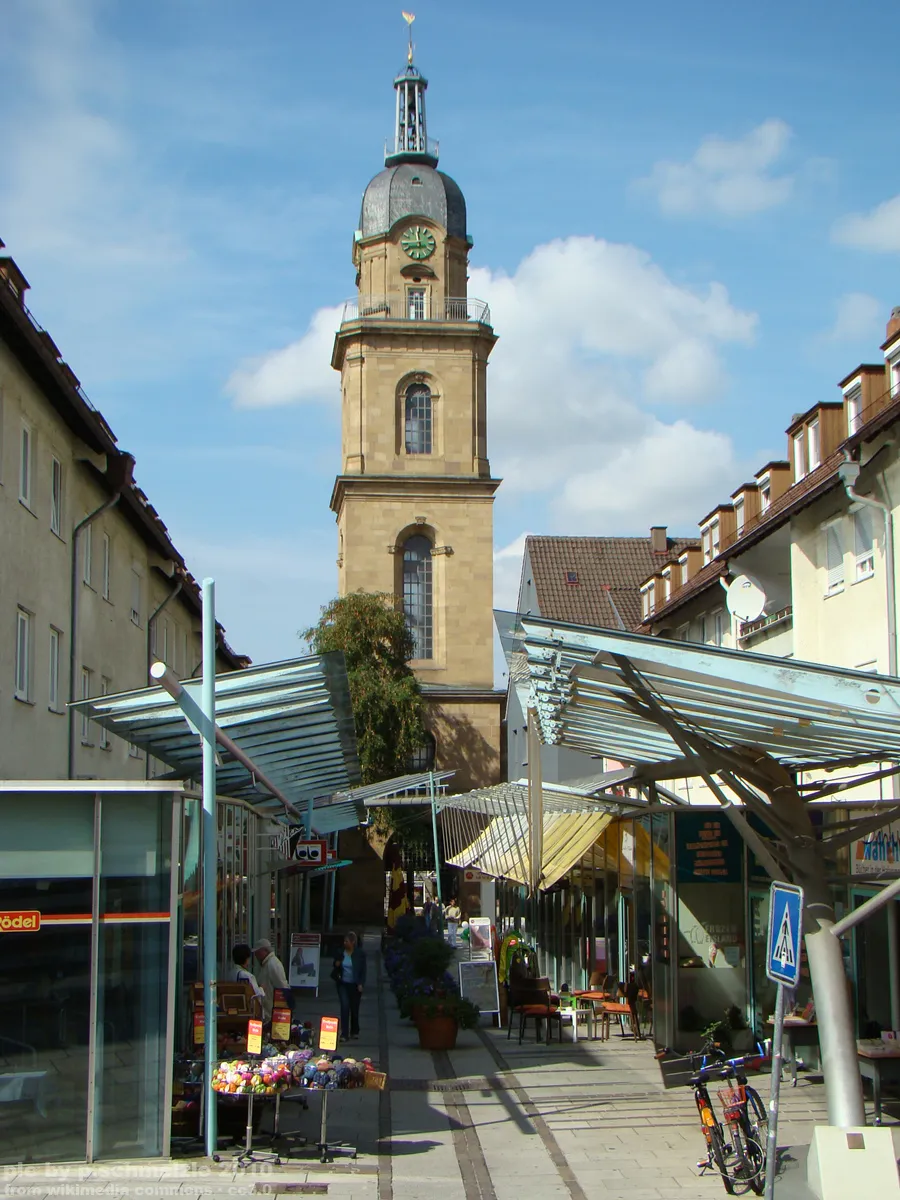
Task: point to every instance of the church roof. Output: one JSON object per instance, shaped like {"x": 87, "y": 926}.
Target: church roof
{"x": 412, "y": 189}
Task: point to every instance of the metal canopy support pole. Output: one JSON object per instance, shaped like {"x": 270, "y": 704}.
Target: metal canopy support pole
{"x": 307, "y": 877}
{"x": 772, "y": 1142}
{"x": 210, "y": 860}
{"x": 437, "y": 856}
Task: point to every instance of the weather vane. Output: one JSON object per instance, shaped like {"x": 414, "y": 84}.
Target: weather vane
{"x": 409, "y": 18}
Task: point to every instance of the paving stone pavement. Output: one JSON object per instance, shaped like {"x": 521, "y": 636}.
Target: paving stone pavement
{"x": 491, "y": 1120}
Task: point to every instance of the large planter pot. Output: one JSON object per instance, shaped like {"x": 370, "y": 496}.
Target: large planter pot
{"x": 437, "y": 1033}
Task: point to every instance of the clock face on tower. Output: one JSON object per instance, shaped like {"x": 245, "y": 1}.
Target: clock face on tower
{"x": 418, "y": 242}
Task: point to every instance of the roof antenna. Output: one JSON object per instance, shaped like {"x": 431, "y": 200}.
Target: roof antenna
{"x": 409, "y": 18}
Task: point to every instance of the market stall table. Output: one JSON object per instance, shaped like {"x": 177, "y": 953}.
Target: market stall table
{"x": 592, "y": 1000}
{"x": 878, "y": 1061}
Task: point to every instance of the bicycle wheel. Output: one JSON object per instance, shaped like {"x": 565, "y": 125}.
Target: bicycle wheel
{"x": 757, "y": 1113}
{"x": 751, "y": 1154}
{"x": 717, "y": 1146}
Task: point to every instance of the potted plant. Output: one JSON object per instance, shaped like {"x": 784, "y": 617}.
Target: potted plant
{"x": 440, "y": 1018}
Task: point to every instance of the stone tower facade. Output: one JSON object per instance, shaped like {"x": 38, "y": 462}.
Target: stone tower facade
{"x": 414, "y": 498}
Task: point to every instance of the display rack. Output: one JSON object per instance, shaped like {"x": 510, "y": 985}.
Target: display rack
{"x": 326, "y": 1149}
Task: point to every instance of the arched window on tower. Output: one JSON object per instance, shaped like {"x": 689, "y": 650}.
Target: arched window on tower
{"x": 417, "y": 594}
{"x": 417, "y": 419}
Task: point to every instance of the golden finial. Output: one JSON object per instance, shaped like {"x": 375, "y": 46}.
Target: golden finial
{"x": 409, "y": 18}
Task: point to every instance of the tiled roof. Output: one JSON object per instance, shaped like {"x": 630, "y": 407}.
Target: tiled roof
{"x": 606, "y": 568}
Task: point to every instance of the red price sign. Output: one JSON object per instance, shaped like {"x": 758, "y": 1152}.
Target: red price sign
{"x": 199, "y": 1027}
{"x": 328, "y": 1033}
{"x": 281, "y": 1024}
{"x": 254, "y": 1037}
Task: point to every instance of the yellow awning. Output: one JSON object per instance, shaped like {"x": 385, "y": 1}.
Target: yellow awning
{"x": 501, "y": 849}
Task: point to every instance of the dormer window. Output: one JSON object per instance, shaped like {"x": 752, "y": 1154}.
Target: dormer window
{"x": 667, "y": 585}
{"x": 814, "y": 456}
{"x": 799, "y": 440}
{"x": 648, "y": 600}
{"x": 765, "y": 493}
{"x": 894, "y": 368}
{"x": 739, "y": 516}
{"x": 683, "y": 565}
{"x": 709, "y": 538}
{"x": 854, "y": 408}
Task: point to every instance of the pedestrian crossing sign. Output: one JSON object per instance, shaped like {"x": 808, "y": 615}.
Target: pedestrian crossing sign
{"x": 785, "y": 933}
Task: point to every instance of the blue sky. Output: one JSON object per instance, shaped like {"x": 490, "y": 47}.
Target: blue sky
{"x": 686, "y": 220}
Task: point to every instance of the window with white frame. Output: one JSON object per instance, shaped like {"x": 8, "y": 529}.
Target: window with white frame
{"x": 133, "y": 750}
{"x": 683, "y": 563}
{"x": 135, "y": 596}
{"x": 706, "y": 544}
{"x": 834, "y": 559}
{"x": 854, "y": 409}
{"x": 799, "y": 442}
{"x": 53, "y": 701}
{"x": 23, "y": 655}
{"x": 85, "y": 695}
{"x": 104, "y": 732}
{"x": 105, "y": 567}
{"x": 765, "y": 493}
{"x": 87, "y": 554}
{"x": 667, "y": 584}
{"x": 185, "y": 665}
{"x": 683, "y": 632}
{"x": 718, "y": 627}
{"x": 863, "y": 544}
{"x": 714, "y": 538}
{"x": 894, "y": 368}
{"x": 703, "y": 629}
{"x": 164, "y": 643}
{"x": 813, "y": 453}
{"x": 647, "y": 601}
{"x": 416, "y": 304}
{"x": 739, "y": 515}
{"x": 56, "y": 496}
{"x": 26, "y": 464}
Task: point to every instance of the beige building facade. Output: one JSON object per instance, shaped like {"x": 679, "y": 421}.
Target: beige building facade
{"x": 91, "y": 587}
{"x": 414, "y": 500}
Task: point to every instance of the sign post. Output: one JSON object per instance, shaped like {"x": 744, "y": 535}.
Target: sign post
{"x": 782, "y": 966}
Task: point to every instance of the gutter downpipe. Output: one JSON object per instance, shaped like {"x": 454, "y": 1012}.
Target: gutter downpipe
{"x": 126, "y": 463}
{"x": 849, "y": 473}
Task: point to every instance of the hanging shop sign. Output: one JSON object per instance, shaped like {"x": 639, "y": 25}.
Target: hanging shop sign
{"x": 878, "y": 853}
{"x": 311, "y": 853}
{"x": 709, "y": 849}
{"x": 19, "y": 922}
{"x": 306, "y": 953}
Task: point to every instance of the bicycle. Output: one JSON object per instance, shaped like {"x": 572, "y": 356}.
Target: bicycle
{"x": 745, "y": 1119}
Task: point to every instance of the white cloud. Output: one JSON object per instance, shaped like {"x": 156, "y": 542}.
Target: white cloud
{"x": 298, "y": 373}
{"x": 858, "y": 316}
{"x": 732, "y": 178}
{"x": 878, "y": 230}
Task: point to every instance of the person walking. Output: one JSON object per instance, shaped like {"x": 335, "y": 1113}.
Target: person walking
{"x": 453, "y": 918}
{"x": 349, "y": 973}
{"x": 270, "y": 975}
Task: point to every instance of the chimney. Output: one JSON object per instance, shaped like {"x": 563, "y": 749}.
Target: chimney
{"x": 659, "y": 541}
{"x": 893, "y": 325}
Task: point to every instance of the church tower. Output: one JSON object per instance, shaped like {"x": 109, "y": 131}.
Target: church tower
{"x": 414, "y": 498}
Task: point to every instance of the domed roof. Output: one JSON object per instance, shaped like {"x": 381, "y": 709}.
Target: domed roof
{"x": 412, "y": 189}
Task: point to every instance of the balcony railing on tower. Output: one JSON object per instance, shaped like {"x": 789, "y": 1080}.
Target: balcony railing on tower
{"x": 414, "y": 308}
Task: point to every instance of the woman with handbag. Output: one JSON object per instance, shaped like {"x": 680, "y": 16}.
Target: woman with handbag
{"x": 349, "y": 973}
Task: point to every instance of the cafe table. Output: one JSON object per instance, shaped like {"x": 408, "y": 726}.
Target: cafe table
{"x": 878, "y": 1061}
{"x": 592, "y": 1000}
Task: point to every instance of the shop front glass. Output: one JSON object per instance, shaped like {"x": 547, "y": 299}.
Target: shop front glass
{"x": 59, "y": 1060}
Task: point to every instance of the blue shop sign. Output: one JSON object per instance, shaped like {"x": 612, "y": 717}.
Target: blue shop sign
{"x": 709, "y": 849}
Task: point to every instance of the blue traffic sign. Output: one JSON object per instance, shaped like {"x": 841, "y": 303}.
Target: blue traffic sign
{"x": 785, "y": 933}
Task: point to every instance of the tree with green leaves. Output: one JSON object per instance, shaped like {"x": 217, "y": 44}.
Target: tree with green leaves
{"x": 388, "y": 708}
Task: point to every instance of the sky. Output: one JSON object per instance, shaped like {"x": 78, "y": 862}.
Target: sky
{"x": 686, "y": 220}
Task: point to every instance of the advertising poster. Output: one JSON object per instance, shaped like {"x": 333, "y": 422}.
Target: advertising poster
{"x": 878, "y": 853}
{"x": 480, "y": 937}
{"x": 303, "y": 967}
{"x": 478, "y": 983}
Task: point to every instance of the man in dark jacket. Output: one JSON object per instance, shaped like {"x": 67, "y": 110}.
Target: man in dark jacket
{"x": 349, "y": 973}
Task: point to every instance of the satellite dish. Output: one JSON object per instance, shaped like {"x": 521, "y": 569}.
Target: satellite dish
{"x": 745, "y": 598}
